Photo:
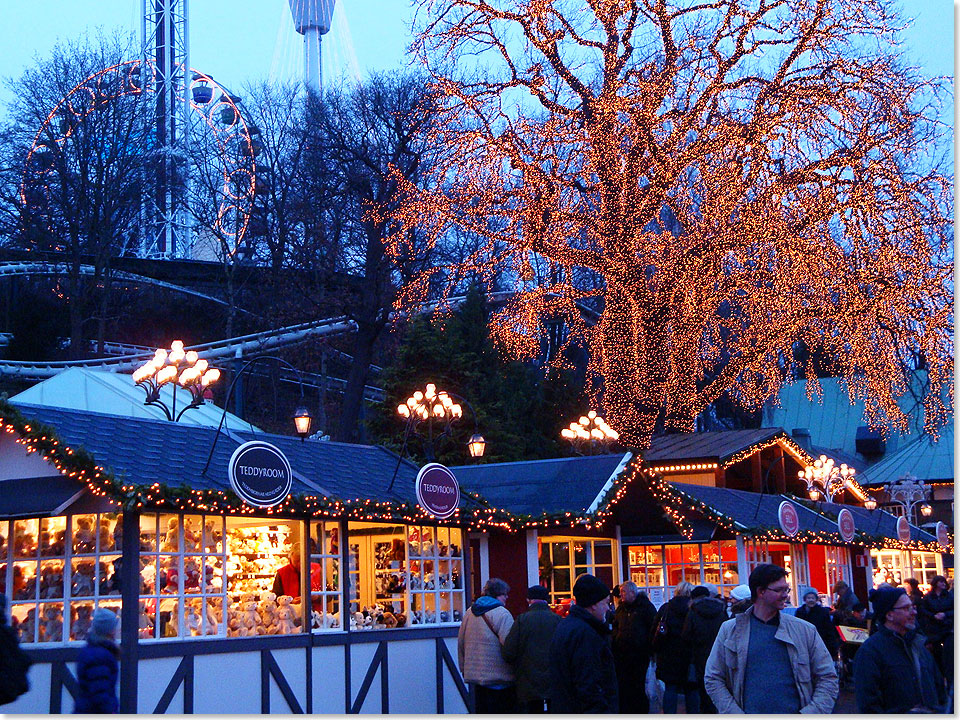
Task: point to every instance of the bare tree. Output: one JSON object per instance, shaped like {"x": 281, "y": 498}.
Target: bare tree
{"x": 76, "y": 157}
{"x": 740, "y": 176}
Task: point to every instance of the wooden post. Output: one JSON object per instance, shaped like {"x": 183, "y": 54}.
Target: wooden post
{"x": 779, "y": 470}
{"x": 756, "y": 476}
{"x": 129, "y": 611}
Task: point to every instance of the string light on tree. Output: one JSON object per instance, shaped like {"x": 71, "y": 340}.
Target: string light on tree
{"x": 589, "y": 434}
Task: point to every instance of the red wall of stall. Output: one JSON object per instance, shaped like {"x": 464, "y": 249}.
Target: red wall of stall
{"x": 817, "y": 561}
{"x": 508, "y": 561}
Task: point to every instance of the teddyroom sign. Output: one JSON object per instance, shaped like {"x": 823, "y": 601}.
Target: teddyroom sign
{"x": 437, "y": 490}
{"x": 260, "y": 474}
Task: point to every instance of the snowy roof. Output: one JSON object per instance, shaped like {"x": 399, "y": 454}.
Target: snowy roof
{"x": 116, "y": 394}
{"x": 926, "y": 460}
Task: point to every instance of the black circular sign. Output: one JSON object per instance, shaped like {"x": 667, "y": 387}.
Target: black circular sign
{"x": 260, "y": 474}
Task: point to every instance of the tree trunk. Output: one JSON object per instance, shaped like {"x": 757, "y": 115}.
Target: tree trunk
{"x": 348, "y": 427}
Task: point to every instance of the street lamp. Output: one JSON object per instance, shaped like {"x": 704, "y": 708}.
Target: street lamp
{"x": 908, "y": 492}
{"x": 183, "y": 368}
{"x": 590, "y": 431}
{"x": 870, "y": 503}
{"x": 438, "y": 410}
{"x": 825, "y": 478}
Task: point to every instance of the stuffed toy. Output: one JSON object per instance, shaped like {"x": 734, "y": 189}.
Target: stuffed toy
{"x": 268, "y": 612}
{"x": 51, "y": 582}
{"x": 51, "y": 627}
{"x": 81, "y": 626}
{"x": 286, "y": 616}
{"x": 250, "y": 622}
{"x": 191, "y": 536}
{"x": 106, "y": 537}
{"x": 25, "y": 545}
{"x": 28, "y": 625}
{"x": 82, "y": 585}
{"x": 84, "y": 539}
{"x": 389, "y": 620}
{"x": 191, "y": 617}
{"x": 213, "y": 610}
{"x": 233, "y": 621}
{"x": 171, "y": 541}
{"x": 211, "y": 538}
{"x": 148, "y": 578}
{"x": 191, "y": 575}
{"x": 145, "y": 622}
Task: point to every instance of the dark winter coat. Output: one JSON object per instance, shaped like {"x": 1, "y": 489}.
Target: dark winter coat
{"x": 582, "y": 674}
{"x": 97, "y": 667}
{"x": 701, "y": 628}
{"x": 673, "y": 653}
{"x": 843, "y": 607}
{"x": 527, "y": 648}
{"x": 936, "y": 630}
{"x": 819, "y": 617}
{"x": 14, "y": 664}
{"x": 886, "y": 678}
{"x": 632, "y": 624}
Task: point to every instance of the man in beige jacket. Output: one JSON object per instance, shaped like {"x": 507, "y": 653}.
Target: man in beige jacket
{"x": 765, "y": 661}
{"x": 482, "y": 633}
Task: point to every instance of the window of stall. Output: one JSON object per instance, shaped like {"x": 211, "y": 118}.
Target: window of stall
{"x": 888, "y": 566}
{"x": 925, "y": 565}
{"x": 56, "y": 571}
{"x": 562, "y": 559}
{"x": 838, "y": 566}
{"x": 658, "y": 569}
{"x": 325, "y": 589}
{"x": 791, "y": 557}
{"x": 194, "y": 566}
{"x": 404, "y": 576}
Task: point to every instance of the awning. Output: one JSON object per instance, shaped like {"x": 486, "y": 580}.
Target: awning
{"x": 34, "y": 497}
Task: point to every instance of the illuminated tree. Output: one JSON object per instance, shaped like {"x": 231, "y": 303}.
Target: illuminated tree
{"x": 732, "y": 178}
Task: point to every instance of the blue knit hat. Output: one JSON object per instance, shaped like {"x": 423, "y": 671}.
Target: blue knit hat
{"x": 104, "y": 622}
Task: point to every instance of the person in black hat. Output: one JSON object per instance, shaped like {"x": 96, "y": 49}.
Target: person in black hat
{"x": 631, "y": 647}
{"x": 527, "y": 648}
{"x": 582, "y": 674}
{"x": 893, "y": 672}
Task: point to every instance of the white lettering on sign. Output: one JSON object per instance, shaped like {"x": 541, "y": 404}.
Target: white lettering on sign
{"x": 442, "y": 489}
{"x": 260, "y": 471}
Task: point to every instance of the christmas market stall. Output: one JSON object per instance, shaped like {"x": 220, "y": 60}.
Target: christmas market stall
{"x": 140, "y": 516}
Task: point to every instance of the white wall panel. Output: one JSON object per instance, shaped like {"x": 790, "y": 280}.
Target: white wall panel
{"x": 37, "y": 698}
{"x": 292, "y": 664}
{"x": 360, "y": 656}
{"x": 413, "y": 685}
{"x": 328, "y": 680}
{"x": 227, "y": 683}
{"x": 153, "y": 676}
{"x": 452, "y": 702}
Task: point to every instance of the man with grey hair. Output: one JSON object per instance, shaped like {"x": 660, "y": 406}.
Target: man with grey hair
{"x": 631, "y": 647}
{"x": 483, "y": 631}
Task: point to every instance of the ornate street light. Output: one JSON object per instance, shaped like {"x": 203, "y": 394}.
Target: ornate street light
{"x": 908, "y": 492}
{"x": 824, "y": 478}
{"x": 870, "y": 503}
{"x": 437, "y": 411}
{"x": 590, "y": 433}
{"x": 179, "y": 367}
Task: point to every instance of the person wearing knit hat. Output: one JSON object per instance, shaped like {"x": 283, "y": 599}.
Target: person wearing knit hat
{"x": 893, "y": 672}
{"x": 583, "y": 678}
{"x": 740, "y": 599}
{"x": 814, "y": 613}
{"x": 98, "y": 665}
{"x": 527, "y": 649}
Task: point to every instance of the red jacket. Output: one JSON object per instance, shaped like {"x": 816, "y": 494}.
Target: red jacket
{"x": 287, "y": 581}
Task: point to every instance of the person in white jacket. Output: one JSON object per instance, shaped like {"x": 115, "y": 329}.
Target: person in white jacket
{"x": 483, "y": 631}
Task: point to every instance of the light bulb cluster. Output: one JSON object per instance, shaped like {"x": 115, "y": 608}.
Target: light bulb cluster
{"x": 430, "y": 403}
{"x": 590, "y": 427}
{"x": 825, "y": 478}
{"x": 181, "y": 367}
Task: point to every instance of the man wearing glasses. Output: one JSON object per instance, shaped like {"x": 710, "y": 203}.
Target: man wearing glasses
{"x": 765, "y": 661}
{"x": 893, "y": 672}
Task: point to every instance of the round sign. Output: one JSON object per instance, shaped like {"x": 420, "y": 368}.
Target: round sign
{"x": 437, "y": 490}
{"x": 943, "y": 535}
{"x": 260, "y": 474}
{"x": 789, "y": 520}
{"x": 903, "y": 529}
{"x": 846, "y": 525}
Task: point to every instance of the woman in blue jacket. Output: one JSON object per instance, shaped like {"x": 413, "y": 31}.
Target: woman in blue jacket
{"x": 97, "y": 667}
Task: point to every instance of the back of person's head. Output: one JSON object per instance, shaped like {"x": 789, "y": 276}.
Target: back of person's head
{"x": 538, "y": 592}
{"x": 698, "y": 592}
{"x": 764, "y": 575}
{"x": 495, "y": 587}
{"x": 912, "y": 582}
{"x": 683, "y": 589}
{"x": 103, "y": 625}
{"x": 840, "y": 586}
{"x": 740, "y": 592}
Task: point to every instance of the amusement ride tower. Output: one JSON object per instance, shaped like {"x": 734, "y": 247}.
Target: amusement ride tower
{"x": 312, "y": 19}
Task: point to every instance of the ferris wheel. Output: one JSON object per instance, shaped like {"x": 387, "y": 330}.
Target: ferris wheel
{"x": 191, "y": 152}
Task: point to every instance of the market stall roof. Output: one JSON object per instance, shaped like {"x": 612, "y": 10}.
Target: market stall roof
{"x": 33, "y": 497}
{"x": 922, "y": 457}
{"x": 144, "y": 451}
{"x": 719, "y": 445}
{"x": 534, "y": 487}
{"x": 116, "y": 394}
{"x": 878, "y": 522}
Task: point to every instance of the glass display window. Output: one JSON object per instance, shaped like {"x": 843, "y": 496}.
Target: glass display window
{"x": 325, "y": 589}
{"x": 56, "y": 571}
{"x": 562, "y": 559}
{"x": 925, "y": 565}
{"x": 888, "y": 566}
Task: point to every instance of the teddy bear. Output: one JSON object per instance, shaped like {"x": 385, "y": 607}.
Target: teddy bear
{"x": 81, "y": 626}
{"x": 171, "y": 540}
{"x": 106, "y": 537}
{"x": 25, "y": 545}
{"x": 51, "y": 626}
{"x": 191, "y": 616}
{"x": 211, "y": 538}
{"x": 82, "y": 585}
{"x": 250, "y": 620}
{"x": 145, "y": 622}
{"x": 233, "y": 621}
{"x": 148, "y": 577}
{"x": 28, "y": 625}
{"x": 84, "y": 539}
{"x": 268, "y": 612}
{"x": 388, "y": 619}
{"x": 210, "y": 616}
{"x": 51, "y": 582}
{"x": 286, "y": 616}
{"x": 51, "y": 545}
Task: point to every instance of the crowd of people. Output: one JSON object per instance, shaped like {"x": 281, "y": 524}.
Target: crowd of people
{"x": 740, "y": 654}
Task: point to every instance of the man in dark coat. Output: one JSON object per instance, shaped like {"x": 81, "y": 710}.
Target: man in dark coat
{"x": 818, "y": 616}
{"x": 527, "y": 648}
{"x": 935, "y": 612}
{"x": 14, "y": 662}
{"x": 893, "y": 672}
{"x": 632, "y": 623}
{"x": 700, "y": 629}
{"x": 97, "y": 667}
{"x": 673, "y": 654}
{"x": 582, "y": 674}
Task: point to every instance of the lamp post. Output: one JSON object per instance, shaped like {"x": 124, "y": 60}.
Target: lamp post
{"x": 824, "y": 478}
{"x": 179, "y": 367}
{"x": 302, "y": 419}
{"x": 590, "y": 431}
{"x": 437, "y": 410}
{"x": 908, "y": 492}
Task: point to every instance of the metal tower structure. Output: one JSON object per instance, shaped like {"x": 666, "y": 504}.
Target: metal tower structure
{"x": 312, "y": 19}
{"x": 165, "y": 41}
